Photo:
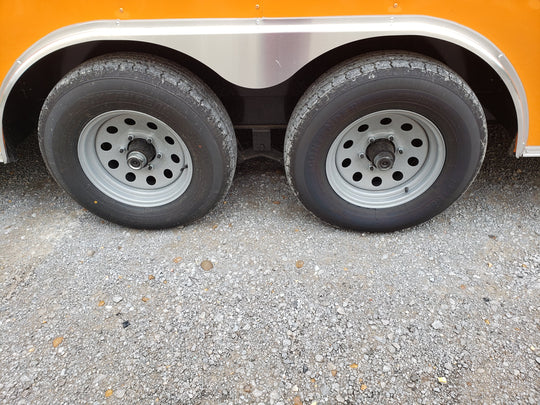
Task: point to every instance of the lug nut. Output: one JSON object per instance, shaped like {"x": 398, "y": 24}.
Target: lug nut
{"x": 371, "y": 140}
{"x": 362, "y": 155}
{"x": 391, "y": 138}
{"x": 159, "y": 155}
{"x": 130, "y": 137}
{"x": 400, "y": 151}
{"x": 149, "y": 140}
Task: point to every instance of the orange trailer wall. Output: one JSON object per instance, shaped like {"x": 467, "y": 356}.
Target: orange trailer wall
{"x": 513, "y": 26}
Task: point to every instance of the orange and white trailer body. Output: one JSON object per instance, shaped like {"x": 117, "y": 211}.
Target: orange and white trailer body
{"x": 260, "y": 57}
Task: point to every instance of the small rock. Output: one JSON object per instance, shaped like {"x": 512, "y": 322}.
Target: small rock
{"x": 257, "y": 393}
{"x": 58, "y": 341}
{"x": 90, "y": 253}
{"x": 437, "y": 325}
{"x": 26, "y": 381}
{"x": 247, "y": 388}
{"x": 297, "y": 401}
{"x": 120, "y": 394}
{"x": 319, "y": 358}
{"x": 341, "y": 311}
{"x": 116, "y": 299}
{"x": 207, "y": 265}
{"x": 386, "y": 369}
{"x": 299, "y": 264}
{"x": 98, "y": 379}
{"x": 538, "y": 360}
{"x": 340, "y": 399}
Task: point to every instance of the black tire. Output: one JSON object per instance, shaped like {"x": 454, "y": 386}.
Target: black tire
{"x": 384, "y": 99}
{"x": 188, "y": 160}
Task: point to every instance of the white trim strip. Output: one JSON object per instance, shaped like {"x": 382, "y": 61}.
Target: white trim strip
{"x": 531, "y": 151}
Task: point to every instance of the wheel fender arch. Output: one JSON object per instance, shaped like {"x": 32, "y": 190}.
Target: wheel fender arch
{"x": 277, "y": 48}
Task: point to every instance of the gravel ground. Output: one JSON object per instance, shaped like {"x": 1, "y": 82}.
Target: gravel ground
{"x": 292, "y": 311}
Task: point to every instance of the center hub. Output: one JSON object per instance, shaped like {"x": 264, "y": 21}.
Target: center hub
{"x": 382, "y": 154}
{"x": 140, "y": 153}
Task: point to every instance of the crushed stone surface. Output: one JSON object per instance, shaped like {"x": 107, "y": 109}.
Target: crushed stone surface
{"x": 262, "y": 303}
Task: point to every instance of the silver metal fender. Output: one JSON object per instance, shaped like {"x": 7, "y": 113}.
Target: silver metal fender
{"x": 259, "y": 53}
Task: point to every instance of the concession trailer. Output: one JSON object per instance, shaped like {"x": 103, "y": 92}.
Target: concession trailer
{"x": 376, "y": 108}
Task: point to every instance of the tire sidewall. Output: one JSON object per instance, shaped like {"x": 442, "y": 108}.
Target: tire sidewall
{"x": 440, "y": 103}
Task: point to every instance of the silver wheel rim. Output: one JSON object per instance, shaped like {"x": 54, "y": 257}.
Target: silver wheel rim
{"x": 419, "y": 154}
{"x": 165, "y": 170}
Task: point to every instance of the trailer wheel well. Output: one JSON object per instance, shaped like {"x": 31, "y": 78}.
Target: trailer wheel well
{"x": 484, "y": 81}
{"x": 26, "y": 99}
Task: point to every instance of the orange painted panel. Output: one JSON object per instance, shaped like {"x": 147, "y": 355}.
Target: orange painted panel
{"x": 513, "y": 26}
{"x": 23, "y": 22}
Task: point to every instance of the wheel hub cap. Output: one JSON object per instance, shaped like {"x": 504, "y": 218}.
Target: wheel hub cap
{"x": 381, "y": 154}
{"x": 140, "y": 153}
